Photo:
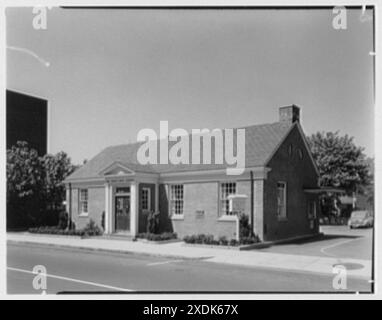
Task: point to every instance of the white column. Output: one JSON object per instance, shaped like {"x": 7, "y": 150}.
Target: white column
{"x": 258, "y": 207}
{"x": 134, "y": 208}
{"x": 107, "y": 209}
{"x": 67, "y": 198}
{"x": 111, "y": 209}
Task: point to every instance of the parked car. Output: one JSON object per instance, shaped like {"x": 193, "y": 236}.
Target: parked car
{"x": 361, "y": 218}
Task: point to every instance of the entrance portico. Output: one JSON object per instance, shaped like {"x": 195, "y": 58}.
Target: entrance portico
{"x": 122, "y": 199}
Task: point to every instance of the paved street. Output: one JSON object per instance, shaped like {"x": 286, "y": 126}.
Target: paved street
{"x": 338, "y": 241}
{"x": 71, "y": 270}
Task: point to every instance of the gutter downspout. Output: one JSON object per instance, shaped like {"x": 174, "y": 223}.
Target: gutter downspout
{"x": 70, "y": 206}
{"x": 252, "y": 204}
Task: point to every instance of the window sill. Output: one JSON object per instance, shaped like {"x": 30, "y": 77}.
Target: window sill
{"x": 227, "y": 218}
{"x": 177, "y": 217}
{"x": 83, "y": 215}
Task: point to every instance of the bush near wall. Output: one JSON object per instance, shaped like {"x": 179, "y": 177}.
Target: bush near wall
{"x": 91, "y": 229}
{"x": 222, "y": 241}
{"x": 157, "y": 237}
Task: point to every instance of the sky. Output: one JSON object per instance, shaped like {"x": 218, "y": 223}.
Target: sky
{"x": 114, "y": 72}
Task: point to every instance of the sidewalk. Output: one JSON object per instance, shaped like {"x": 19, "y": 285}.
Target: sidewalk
{"x": 253, "y": 258}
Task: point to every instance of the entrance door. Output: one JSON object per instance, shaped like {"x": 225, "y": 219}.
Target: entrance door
{"x": 122, "y": 213}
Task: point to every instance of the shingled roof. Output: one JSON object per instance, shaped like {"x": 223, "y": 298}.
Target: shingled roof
{"x": 261, "y": 141}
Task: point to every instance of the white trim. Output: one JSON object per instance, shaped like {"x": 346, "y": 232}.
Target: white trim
{"x": 259, "y": 174}
{"x": 115, "y": 165}
{"x": 171, "y": 214}
{"x": 228, "y": 218}
{"x": 177, "y": 217}
{"x": 83, "y": 215}
{"x": 220, "y": 212}
{"x": 173, "y": 177}
{"x": 207, "y": 171}
{"x": 134, "y": 187}
{"x": 80, "y": 201}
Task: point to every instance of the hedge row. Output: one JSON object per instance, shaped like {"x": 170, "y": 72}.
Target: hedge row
{"x": 91, "y": 229}
{"x": 222, "y": 241}
{"x": 157, "y": 237}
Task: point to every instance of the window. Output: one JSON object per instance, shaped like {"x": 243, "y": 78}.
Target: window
{"x": 122, "y": 190}
{"x": 176, "y": 199}
{"x": 281, "y": 200}
{"x": 225, "y": 190}
{"x": 83, "y": 203}
{"x": 145, "y": 199}
{"x": 312, "y": 209}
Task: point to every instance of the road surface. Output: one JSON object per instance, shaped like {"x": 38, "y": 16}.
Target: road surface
{"x": 75, "y": 271}
{"x": 338, "y": 242}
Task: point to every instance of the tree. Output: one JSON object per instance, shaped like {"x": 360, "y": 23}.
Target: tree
{"x": 368, "y": 190}
{"x": 56, "y": 169}
{"x": 35, "y": 188}
{"x": 340, "y": 162}
{"x": 24, "y": 182}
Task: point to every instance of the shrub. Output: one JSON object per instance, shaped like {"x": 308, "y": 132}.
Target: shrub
{"x": 153, "y": 222}
{"x": 56, "y": 230}
{"x": 189, "y": 239}
{"x": 222, "y": 241}
{"x": 233, "y": 242}
{"x": 103, "y": 220}
{"x": 244, "y": 226}
{"x": 249, "y": 240}
{"x": 157, "y": 237}
{"x": 63, "y": 220}
{"x": 91, "y": 229}
{"x": 206, "y": 239}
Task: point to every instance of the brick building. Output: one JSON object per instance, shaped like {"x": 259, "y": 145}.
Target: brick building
{"x": 278, "y": 180}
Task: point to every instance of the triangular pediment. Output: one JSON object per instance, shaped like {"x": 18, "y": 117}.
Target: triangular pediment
{"x": 117, "y": 169}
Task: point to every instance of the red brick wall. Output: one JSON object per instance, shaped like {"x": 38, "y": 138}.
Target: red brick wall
{"x": 298, "y": 174}
{"x": 201, "y": 197}
{"x": 96, "y": 205}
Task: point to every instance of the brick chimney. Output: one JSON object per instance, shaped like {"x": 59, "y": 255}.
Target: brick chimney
{"x": 289, "y": 114}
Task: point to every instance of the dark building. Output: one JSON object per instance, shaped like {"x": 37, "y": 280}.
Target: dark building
{"x": 27, "y": 120}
